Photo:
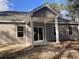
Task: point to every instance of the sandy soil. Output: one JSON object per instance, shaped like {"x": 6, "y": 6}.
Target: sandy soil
{"x": 65, "y": 50}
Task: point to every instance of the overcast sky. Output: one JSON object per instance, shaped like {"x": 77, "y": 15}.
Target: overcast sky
{"x": 24, "y": 5}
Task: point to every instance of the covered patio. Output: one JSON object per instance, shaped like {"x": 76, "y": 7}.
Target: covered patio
{"x": 44, "y": 30}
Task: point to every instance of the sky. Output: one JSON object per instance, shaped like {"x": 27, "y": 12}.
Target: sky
{"x": 24, "y": 5}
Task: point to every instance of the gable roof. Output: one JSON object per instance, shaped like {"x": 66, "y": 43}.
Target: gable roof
{"x": 42, "y": 6}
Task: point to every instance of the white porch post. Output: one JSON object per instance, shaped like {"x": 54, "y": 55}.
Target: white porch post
{"x": 57, "y": 31}
{"x": 32, "y": 29}
{"x": 45, "y": 32}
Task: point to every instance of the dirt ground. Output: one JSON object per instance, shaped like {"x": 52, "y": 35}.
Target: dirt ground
{"x": 65, "y": 50}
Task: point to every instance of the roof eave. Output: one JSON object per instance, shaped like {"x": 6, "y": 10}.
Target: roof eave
{"x": 44, "y": 5}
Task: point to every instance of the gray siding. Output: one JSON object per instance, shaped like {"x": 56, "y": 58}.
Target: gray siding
{"x": 50, "y": 33}
{"x": 44, "y": 12}
{"x": 28, "y": 39}
{"x": 63, "y": 32}
{"x": 12, "y": 17}
{"x": 8, "y": 35}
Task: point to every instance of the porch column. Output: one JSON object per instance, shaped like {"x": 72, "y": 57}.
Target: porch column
{"x": 32, "y": 29}
{"x": 45, "y": 32}
{"x": 57, "y": 31}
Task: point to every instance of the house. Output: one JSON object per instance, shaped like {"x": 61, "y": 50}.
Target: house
{"x": 35, "y": 27}
{"x": 43, "y": 26}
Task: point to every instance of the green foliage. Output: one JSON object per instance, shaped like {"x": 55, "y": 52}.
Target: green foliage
{"x": 73, "y": 6}
{"x": 70, "y": 7}
{"x": 57, "y": 6}
{"x": 69, "y": 0}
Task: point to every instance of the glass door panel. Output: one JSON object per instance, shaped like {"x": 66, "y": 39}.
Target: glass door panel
{"x": 40, "y": 34}
{"x": 35, "y": 34}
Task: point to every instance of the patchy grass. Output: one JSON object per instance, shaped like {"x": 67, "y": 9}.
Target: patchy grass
{"x": 65, "y": 50}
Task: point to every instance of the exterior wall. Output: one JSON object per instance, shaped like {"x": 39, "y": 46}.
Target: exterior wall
{"x": 12, "y": 17}
{"x": 37, "y": 24}
{"x": 49, "y": 14}
{"x": 63, "y": 32}
{"x": 50, "y": 32}
{"x": 44, "y": 12}
{"x": 8, "y": 35}
{"x": 42, "y": 19}
{"x": 29, "y": 40}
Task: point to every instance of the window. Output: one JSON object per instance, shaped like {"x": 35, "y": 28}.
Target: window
{"x": 20, "y": 31}
{"x": 70, "y": 30}
{"x": 54, "y": 30}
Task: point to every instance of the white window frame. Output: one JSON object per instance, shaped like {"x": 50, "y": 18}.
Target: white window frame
{"x": 17, "y": 32}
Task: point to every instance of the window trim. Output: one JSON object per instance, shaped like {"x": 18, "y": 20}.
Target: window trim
{"x": 20, "y": 31}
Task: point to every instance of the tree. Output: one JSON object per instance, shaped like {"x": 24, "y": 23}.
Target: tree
{"x": 57, "y": 6}
{"x": 73, "y": 5}
{"x": 70, "y": 7}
